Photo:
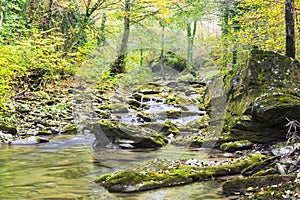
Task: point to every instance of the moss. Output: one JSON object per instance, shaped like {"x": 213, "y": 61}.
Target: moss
{"x": 241, "y": 184}
{"x": 237, "y": 145}
{"x": 70, "y": 129}
{"x": 162, "y": 173}
{"x": 143, "y": 137}
{"x": 173, "y": 100}
{"x": 264, "y": 90}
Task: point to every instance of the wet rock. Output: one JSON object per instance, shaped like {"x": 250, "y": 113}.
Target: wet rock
{"x": 44, "y": 132}
{"x": 164, "y": 128}
{"x": 134, "y": 103}
{"x": 141, "y": 97}
{"x": 119, "y": 108}
{"x": 70, "y": 129}
{"x": 165, "y": 173}
{"x": 118, "y": 132}
{"x": 200, "y": 123}
{"x": 27, "y": 141}
{"x": 236, "y": 145}
{"x": 8, "y": 128}
{"x": 150, "y": 88}
{"x": 251, "y": 184}
{"x": 261, "y": 96}
{"x": 146, "y": 117}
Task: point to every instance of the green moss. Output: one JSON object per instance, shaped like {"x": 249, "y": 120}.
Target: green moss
{"x": 237, "y": 145}
{"x": 173, "y": 100}
{"x": 241, "y": 184}
{"x": 163, "y": 173}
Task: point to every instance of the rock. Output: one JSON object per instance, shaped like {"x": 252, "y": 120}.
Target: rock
{"x": 117, "y": 131}
{"x": 70, "y": 129}
{"x": 119, "y": 108}
{"x": 150, "y": 88}
{"x": 164, "y": 128}
{"x": 261, "y": 96}
{"x": 134, "y": 103}
{"x": 27, "y": 141}
{"x": 164, "y": 173}
{"x": 202, "y": 122}
{"x": 8, "y": 128}
{"x": 240, "y": 185}
{"x": 44, "y": 132}
{"x": 236, "y": 145}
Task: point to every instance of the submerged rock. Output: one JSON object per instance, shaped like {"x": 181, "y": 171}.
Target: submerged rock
{"x": 117, "y": 132}
{"x": 261, "y": 96}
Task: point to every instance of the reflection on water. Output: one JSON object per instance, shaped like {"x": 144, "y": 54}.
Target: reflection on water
{"x": 66, "y": 167}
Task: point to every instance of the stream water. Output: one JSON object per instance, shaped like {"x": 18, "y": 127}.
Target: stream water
{"x": 66, "y": 167}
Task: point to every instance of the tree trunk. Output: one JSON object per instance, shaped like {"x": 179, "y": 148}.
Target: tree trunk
{"x": 2, "y": 17}
{"x": 190, "y": 51}
{"x": 101, "y": 38}
{"x": 290, "y": 29}
{"x": 119, "y": 64}
{"x": 162, "y": 58}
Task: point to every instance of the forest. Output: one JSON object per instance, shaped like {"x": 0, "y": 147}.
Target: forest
{"x": 226, "y": 72}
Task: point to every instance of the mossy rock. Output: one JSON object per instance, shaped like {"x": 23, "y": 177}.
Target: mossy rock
{"x": 164, "y": 173}
{"x": 173, "y": 100}
{"x": 140, "y": 137}
{"x": 70, "y": 129}
{"x": 134, "y": 103}
{"x": 8, "y": 128}
{"x": 240, "y": 185}
{"x": 202, "y": 122}
{"x": 261, "y": 96}
{"x": 175, "y": 114}
{"x": 147, "y": 117}
{"x": 236, "y": 145}
{"x": 150, "y": 88}
{"x": 164, "y": 128}
{"x": 288, "y": 190}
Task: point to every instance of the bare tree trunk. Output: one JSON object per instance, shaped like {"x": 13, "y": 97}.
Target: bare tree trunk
{"x": 162, "y": 58}
{"x": 118, "y": 66}
{"x": 190, "y": 51}
{"x": 2, "y": 17}
{"x": 290, "y": 29}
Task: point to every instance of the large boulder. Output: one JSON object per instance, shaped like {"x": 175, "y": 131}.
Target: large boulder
{"x": 261, "y": 96}
{"x": 127, "y": 135}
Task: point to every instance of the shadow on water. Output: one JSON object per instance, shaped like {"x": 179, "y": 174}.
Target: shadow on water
{"x": 66, "y": 167}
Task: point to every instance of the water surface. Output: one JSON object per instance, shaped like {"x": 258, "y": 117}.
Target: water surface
{"x": 66, "y": 167}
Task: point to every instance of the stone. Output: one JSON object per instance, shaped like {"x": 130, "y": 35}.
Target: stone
{"x": 236, "y": 145}
{"x": 261, "y": 96}
{"x": 255, "y": 183}
{"x": 150, "y": 88}
{"x": 165, "y": 173}
{"x": 117, "y": 132}
{"x": 8, "y": 128}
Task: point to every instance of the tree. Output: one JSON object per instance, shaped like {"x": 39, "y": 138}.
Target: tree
{"x": 290, "y": 29}
{"x": 118, "y": 66}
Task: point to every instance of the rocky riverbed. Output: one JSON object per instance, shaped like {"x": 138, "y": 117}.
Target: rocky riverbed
{"x": 242, "y": 115}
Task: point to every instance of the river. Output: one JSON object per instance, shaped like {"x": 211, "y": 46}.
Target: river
{"x": 66, "y": 167}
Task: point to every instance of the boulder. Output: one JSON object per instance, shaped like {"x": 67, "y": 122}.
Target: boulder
{"x": 120, "y": 133}
{"x": 261, "y": 96}
{"x": 165, "y": 173}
